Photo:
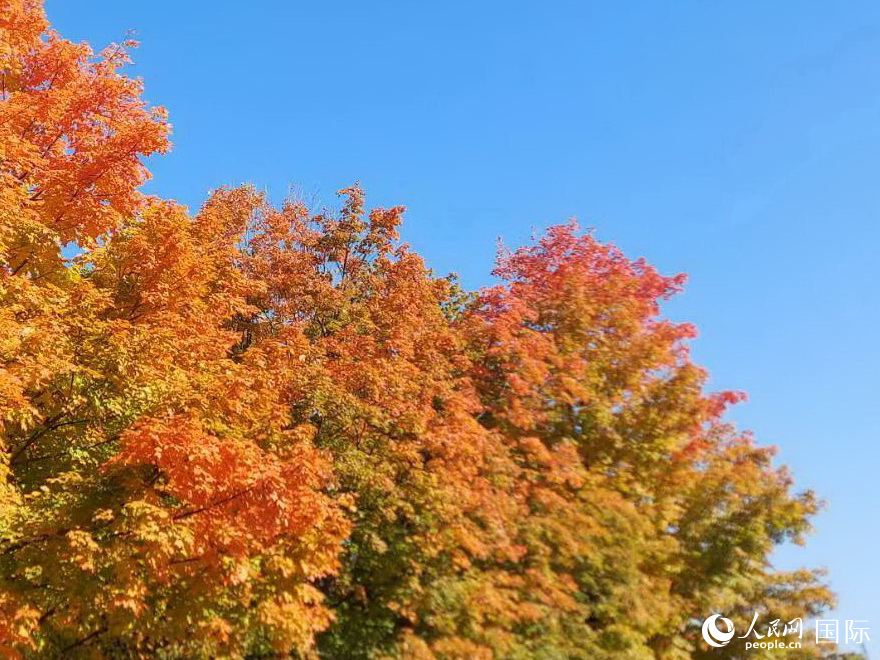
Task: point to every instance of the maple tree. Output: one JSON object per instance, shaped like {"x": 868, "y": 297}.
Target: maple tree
{"x": 262, "y": 432}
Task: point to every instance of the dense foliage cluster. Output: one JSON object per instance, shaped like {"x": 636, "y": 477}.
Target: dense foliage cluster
{"x": 272, "y": 432}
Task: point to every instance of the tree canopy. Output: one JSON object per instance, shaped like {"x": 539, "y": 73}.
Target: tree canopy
{"x": 261, "y": 431}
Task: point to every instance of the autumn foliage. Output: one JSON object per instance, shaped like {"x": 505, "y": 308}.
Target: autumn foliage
{"x": 273, "y": 432}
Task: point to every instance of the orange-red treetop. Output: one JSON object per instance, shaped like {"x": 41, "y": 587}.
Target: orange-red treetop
{"x": 73, "y": 127}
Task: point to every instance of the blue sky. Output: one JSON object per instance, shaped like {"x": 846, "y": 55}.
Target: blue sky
{"x": 738, "y": 141}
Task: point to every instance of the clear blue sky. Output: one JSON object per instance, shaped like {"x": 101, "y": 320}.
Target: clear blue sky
{"x": 738, "y": 141}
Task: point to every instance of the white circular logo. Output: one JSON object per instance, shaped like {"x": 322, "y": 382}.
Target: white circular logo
{"x": 715, "y": 637}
